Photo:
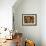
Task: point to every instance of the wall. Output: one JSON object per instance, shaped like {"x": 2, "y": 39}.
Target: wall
{"x": 28, "y": 7}
{"x": 6, "y": 16}
{"x": 43, "y": 22}
{"x": 6, "y": 13}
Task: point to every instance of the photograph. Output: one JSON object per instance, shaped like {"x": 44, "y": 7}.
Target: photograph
{"x": 29, "y": 19}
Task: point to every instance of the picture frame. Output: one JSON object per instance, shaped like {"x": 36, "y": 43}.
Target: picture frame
{"x": 29, "y": 19}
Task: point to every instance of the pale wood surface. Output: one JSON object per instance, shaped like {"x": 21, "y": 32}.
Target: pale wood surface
{"x": 8, "y": 43}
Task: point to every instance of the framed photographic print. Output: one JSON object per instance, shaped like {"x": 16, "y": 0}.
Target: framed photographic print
{"x": 29, "y": 19}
